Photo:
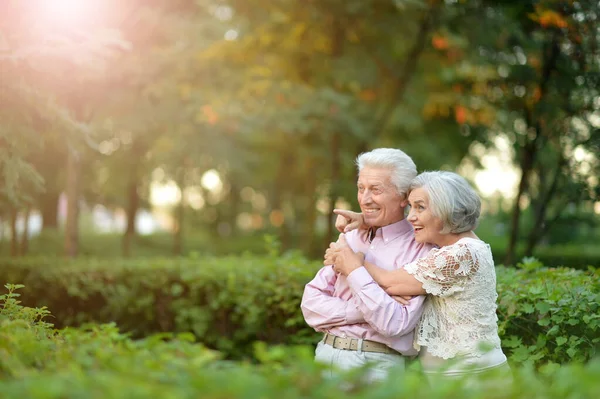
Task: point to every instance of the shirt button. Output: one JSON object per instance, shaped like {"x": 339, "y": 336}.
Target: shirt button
{"x": 372, "y": 246}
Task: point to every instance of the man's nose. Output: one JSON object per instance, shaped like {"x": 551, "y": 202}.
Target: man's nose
{"x": 365, "y": 197}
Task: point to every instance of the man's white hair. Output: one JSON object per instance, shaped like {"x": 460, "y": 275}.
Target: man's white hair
{"x": 401, "y": 165}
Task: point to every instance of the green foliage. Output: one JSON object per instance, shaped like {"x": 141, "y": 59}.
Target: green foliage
{"x": 229, "y": 303}
{"x": 549, "y": 314}
{"x": 29, "y": 345}
{"x": 98, "y": 361}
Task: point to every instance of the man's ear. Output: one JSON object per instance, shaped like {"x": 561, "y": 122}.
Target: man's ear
{"x": 404, "y": 202}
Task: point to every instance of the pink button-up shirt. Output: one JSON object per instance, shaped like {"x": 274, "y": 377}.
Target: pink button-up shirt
{"x": 357, "y": 306}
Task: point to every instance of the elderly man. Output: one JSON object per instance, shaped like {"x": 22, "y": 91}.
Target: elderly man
{"x": 360, "y": 322}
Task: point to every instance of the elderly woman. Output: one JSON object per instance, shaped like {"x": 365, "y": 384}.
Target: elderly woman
{"x": 458, "y": 333}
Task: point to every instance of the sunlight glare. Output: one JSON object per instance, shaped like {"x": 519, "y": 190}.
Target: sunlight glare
{"x": 212, "y": 181}
{"x": 499, "y": 175}
{"x": 164, "y": 194}
{"x": 65, "y": 11}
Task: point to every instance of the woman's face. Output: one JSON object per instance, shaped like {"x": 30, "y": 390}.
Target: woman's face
{"x": 427, "y": 227}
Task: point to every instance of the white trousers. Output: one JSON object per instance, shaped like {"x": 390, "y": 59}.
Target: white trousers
{"x": 340, "y": 359}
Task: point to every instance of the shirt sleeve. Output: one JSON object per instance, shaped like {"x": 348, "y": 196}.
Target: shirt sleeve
{"x": 444, "y": 271}
{"x": 321, "y": 309}
{"x": 380, "y": 310}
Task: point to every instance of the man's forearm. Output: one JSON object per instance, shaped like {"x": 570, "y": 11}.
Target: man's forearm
{"x": 322, "y": 312}
{"x": 321, "y": 309}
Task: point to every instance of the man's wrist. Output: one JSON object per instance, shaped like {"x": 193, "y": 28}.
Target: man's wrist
{"x": 353, "y": 267}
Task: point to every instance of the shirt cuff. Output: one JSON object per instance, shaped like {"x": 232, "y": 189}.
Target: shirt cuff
{"x": 359, "y": 278}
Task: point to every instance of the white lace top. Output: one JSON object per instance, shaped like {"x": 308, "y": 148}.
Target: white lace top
{"x": 460, "y": 313}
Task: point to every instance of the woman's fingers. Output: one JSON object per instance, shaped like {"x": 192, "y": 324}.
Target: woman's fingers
{"x": 401, "y": 299}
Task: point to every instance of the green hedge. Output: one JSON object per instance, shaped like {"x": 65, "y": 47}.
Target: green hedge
{"x": 100, "y": 362}
{"x": 228, "y": 303}
{"x": 576, "y": 257}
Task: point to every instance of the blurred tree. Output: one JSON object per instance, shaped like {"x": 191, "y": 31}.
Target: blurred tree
{"x": 545, "y": 54}
{"x": 314, "y": 84}
{"x": 37, "y": 55}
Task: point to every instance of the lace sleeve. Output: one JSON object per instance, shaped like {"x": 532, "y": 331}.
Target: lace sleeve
{"x": 444, "y": 271}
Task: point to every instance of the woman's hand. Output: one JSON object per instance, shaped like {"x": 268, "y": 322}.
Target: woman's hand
{"x": 347, "y": 220}
{"x": 402, "y": 299}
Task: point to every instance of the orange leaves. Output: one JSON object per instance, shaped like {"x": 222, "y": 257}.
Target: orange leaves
{"x": 448, "y": 45}
{"x": 460, "y": 114}
{"x": 210, "y": 114}
{"x": 482, "y": 116}
{"x": 440, "y": 107}
{"x": 440, "y": 42}
{"x": 367, "y": 95}
{"x": 549, "y": 18}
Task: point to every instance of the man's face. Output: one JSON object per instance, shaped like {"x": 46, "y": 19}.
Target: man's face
{"x": 379, "y": 201}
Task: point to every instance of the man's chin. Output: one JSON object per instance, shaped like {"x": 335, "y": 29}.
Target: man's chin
{"x": 371, "y": 222}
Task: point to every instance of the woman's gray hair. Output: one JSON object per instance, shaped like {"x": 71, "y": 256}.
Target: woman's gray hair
{"x": 452, "y": 199}
{"x": 402, "y": 166}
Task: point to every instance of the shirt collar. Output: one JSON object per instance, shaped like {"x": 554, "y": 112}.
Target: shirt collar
{"x": 394, "y": 230}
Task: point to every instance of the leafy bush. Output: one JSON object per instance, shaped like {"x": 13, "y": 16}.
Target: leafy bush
{"x": 228, "y": 303}
{"x": 28, "y": 344}
{"x": 549, "y": 314}
{"x": 99, "y": 361}
{"x": 573, "y": 256}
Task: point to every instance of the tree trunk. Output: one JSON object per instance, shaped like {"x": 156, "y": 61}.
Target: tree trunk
{"x": 133, "y": 204}
{"x": 25, "y": 235}
{"x": 338, "y": 35}
{"x": 277, "y": 198}
{"x": 551, "y": 52}
{"x": 49, "y": 210}
{"x": 14, "y": 237}
{"x": 537, "y": 230}
{"x": 234, "y": 206}
{"x": 178, "y": 233}
{"x": 72, "y": 225}
{"x": 526, "y": 166}
{"x": 334, "y": 187}
{"x": 400, "y": 80}
{"x": 309, "y": 236}
{"x": 179, "y": 216}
